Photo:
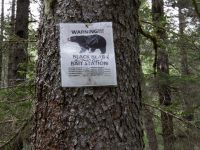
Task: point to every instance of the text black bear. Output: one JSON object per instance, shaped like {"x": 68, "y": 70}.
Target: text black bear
{"x": 90, "y": 42}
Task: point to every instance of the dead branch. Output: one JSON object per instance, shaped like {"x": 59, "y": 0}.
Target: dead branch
{"x": 173, "y": 115}
{"x": 17, "y": 133}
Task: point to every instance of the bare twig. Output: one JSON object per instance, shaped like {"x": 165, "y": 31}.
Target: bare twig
{"x": 11, "y": 121}
{"x": 24, "y": 84}
{"x": 8, "y": 121}
{"x": 173, "y": 115}
{"x": 20, "y": 41}
{"x": 16, "y": 134}
{"x": 172, "y": 32}
{"x": 19, "y": 101}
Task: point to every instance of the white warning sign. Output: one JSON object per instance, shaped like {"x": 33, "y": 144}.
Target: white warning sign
{"x": 87, "y": 54}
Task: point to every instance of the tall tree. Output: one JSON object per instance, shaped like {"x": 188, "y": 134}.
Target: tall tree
{"x": 1, "y": 34}
{"x": 162, "y": 66}
{"x": 18, "y": 53}
{"x": 12, "y": 20}
{"x": 89, "y": 118}
{"x": 8, "y": 46}
{"x": 150, "y": 129}
{"x": 2, "y": 19}
{"x": 182, "y": 26}
{"x": 184, "y": 61}
{"x": 186, "y": 87}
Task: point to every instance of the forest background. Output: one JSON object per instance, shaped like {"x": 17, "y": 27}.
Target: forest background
{"x": 179, "y": 112}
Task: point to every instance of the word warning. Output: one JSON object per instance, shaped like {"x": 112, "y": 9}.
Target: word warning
{"x": 87, "y": 54}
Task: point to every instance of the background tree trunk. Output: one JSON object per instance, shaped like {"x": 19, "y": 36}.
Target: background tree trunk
{"x": 162, "y": 73}
{"x": 187, "y": 97}
{"x": 8, "y": 46}
{"x": 1, "y": 37}
{"x": 18, "y": 52}
{"x": 150, "y": 128}
{"x": 12, "y": 20}
{"x": 185, "y": 136}
{"x": 89, "y": 118}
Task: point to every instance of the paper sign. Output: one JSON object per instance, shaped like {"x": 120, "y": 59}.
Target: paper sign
{"x": 87, "y": 54}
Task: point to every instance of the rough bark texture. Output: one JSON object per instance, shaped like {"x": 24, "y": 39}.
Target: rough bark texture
{"x": 162, "y": 74}
{"x": 18, "y": 52}
{"x": 89, "y": 118}
{"x": 150, "y": 129}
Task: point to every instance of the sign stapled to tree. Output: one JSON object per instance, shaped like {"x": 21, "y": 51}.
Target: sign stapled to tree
{"x": 87, "y": 54}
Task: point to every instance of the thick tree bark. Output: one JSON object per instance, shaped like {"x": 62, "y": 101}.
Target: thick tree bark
{"x": 89, "y": 118}
{"x": 18, "y": 52}
{"x": 162, "y": 74}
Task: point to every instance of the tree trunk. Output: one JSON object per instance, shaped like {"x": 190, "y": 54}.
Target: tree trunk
{"x": 1, "y": 37}
{"x": 186, "y": 139}
{"x": 5, "y": 54}
{"x": 12, "y": 20}
{"x": 184, "y": 58}
{"x": 150, "y": 129}
{"x": 148, "y": 119}
{"x": 162, "y": 74}
{"x": 95, "y": 117}
{"x": 18, "y": 52}
{"x": 185, "y": 68}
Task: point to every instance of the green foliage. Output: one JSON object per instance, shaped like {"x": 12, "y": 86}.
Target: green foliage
{"x": 185, "y": 91}
{"x": 17, "y": 101}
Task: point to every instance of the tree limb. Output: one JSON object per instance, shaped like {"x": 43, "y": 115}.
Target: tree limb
{"x": 172, "y": 32}
{"x": 171, "y": 114}
{"x": 155, "y": 45}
